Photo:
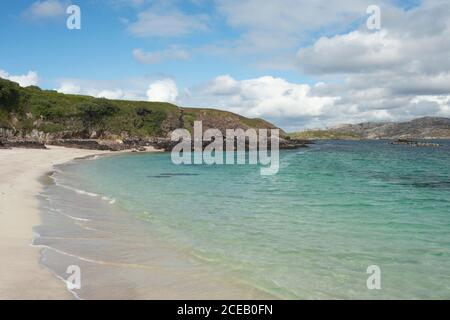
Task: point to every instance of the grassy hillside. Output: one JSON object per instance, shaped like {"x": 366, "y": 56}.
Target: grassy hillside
{"x": 213, "y": 118}
{"x": 58, "y": 115}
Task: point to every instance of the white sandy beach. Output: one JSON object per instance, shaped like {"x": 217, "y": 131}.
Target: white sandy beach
{"x": 21, "y": 276}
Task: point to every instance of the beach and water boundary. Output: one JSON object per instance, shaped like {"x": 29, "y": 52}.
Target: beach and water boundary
{"x": 309, "y": 232}
{"x": 21, "y": 275}
{"x": 117, "y": 255}
{"x": 26, "y": 272}
{"x": 397, "y": 209}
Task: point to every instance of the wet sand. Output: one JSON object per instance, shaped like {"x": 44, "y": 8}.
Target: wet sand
{"x": 21, "y": 275}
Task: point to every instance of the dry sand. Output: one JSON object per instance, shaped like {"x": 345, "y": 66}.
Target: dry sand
{"x": 21, "y": 275}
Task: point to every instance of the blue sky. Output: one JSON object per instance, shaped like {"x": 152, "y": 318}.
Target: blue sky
{"x": 102, "y": 49}
{"x": 298, "y": 63}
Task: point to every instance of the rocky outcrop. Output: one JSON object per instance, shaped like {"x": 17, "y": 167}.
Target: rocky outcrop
{"x": 284, "y": 143}
{"x": 23, "y": 144}
{"x": 79, "y": 144}
{"x": 415, "y": 143}
{"x": 38, "y": 140}
{"x": 2, "y": 145}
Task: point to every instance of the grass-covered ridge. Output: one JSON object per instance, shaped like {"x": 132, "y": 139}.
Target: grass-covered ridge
{"x": 23, "y": 110}
{"x": 325, "y": 134}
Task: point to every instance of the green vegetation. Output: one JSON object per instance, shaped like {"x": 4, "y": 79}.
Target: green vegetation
{"x": 76, "y": 116}
{"x": 324, "y": 134}
{"x": 10, "y": 96}
{"x": 213, "y": 118}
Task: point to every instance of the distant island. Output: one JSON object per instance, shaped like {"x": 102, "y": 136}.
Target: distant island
{"x": 421, "y": 128}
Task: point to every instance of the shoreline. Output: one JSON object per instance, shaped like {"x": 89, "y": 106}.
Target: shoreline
{"x": 21, "y": 274}
{"x": 24, "y": 275}
{"x": 95, "y": 240}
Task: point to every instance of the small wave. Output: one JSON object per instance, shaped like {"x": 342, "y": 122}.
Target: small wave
{"x": 43, "y": 246}
{"x": 76, "y": 296}
{"x": 75, "y": 218}
{"x": 100, "y": 262}
{"x": 59, "y": 184}
{"x": 109, "y": 200}
{"x": 67, "y": 215}
{"x": 55, "y": 170}
{"x": 83, "y": 192}
{"x": 86, "y": 228}
{"x": 202, "y": 257}
{"x": 35, "y": 236}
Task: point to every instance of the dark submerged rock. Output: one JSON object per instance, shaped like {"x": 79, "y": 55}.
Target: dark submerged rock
{"x": 413, "y": 143}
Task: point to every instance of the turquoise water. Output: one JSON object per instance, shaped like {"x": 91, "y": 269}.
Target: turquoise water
{"x": 309, "y": 232}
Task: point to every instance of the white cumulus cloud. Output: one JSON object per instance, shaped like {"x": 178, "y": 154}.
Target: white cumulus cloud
{"x": 69, "y": 88}
{"x": 266, "y": 96}
{"x": 99, "y": 89}
{"x": 163, "y": 91}
{"x": 352, "y": 52}
{"x": 116, "y": 94}
{"x": 46, "y": 9}
{"x": 172, "y": 24}
{"x": 29, "y": 79}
